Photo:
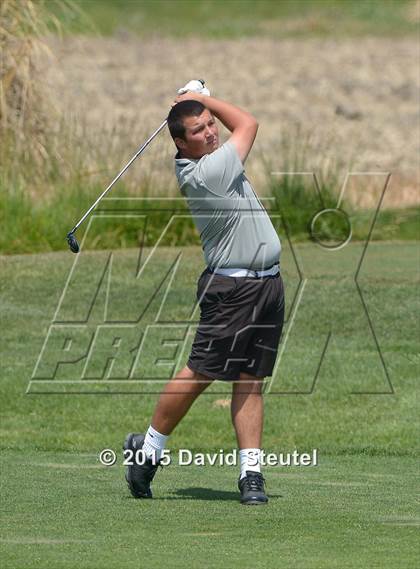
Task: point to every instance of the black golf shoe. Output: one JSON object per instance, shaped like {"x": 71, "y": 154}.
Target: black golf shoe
{"x": 251, "y": 487}
{"x": 139, "y": 476}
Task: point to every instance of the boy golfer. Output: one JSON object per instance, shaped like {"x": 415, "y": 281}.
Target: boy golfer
{"x": 240, "y": 293}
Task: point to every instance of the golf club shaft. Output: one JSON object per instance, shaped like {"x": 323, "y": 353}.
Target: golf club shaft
{"x": 118, "y": 176}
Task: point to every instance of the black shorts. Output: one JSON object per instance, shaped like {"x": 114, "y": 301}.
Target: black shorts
{"x": 240, "y": 325}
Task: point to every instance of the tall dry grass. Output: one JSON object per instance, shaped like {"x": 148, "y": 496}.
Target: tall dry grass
{"x": 29, "y": 121}
{"x": 24, "y": 122}
{"x": 40, "y": 145}
{"x": 51, "y": 168}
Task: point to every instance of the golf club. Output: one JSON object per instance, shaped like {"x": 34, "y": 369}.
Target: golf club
{"x": 71, "y": 239}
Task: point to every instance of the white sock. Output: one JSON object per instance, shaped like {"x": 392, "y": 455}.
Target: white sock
{"x": 154, "y": 443}
{"x": 250, "y": 460}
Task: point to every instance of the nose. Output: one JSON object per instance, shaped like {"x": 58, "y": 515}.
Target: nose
{"x": 209, "y": 132}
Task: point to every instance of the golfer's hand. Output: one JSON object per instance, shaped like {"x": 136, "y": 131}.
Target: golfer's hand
{"x": 196, "y": 86}
{"x": 189, "y": 95}
{"x": 194, "y": 89}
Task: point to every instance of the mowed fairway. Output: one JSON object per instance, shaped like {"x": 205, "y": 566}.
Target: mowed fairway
{"x": 65, "y": 510}
{"x": 62, "y": 508}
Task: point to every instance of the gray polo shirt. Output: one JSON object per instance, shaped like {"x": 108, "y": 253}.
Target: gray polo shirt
{"x": 235, "y": 229}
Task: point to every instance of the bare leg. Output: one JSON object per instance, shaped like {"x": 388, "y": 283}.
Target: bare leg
{"x": 176, "y": 398}
{"x": 247, "y": 411}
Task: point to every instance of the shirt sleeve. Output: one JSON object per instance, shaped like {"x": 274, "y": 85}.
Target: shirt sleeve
{"x": 220, "y": 169}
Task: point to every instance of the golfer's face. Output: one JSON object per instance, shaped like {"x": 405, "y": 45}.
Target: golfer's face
{"x": 201, "y": 135}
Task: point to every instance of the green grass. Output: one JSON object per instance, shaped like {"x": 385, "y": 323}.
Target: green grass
{"x": 66, "y": 510}
{"x": 355, "y": 509}
{"x": 331, "y": 418}
{"x": 40, "y": 223}
{"x": 238, "y": 18}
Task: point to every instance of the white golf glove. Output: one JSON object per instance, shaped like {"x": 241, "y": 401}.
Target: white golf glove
{"x": 196, "y": 85}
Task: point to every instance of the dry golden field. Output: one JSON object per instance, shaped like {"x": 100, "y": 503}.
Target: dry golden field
{"x": 336, "y": 106}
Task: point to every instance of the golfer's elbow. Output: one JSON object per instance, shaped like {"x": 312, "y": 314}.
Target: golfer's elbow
{"x": 246, "y": 130}
{"x": 254, "y": 128}
{"x": 243, "y": 138}
{"x": 253, "y": 123}
{"x": 251, "y": 127}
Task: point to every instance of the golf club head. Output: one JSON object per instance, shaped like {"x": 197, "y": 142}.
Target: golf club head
{"x": 73, "y": 244}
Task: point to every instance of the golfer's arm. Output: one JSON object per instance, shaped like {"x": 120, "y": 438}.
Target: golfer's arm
{"x": 241, "y": 124}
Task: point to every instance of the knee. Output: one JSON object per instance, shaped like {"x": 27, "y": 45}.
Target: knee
{"x": 191, "y": 381}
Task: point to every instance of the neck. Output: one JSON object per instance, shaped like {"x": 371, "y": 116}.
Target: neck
{"x": 188, "y": 156}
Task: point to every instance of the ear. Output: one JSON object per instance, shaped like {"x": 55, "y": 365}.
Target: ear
{"x": 180, "y": 143}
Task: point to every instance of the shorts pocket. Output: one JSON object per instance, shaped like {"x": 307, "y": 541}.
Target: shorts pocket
{"x": 201, "y": 283}
{"x": 216, "y": 289}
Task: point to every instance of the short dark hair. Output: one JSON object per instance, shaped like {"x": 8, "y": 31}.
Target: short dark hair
{"x": 187, "y": 108}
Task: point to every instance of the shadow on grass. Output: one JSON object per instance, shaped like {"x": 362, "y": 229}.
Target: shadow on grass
{"x": 207, "y": 494}
{"x": 196, "y": 493}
